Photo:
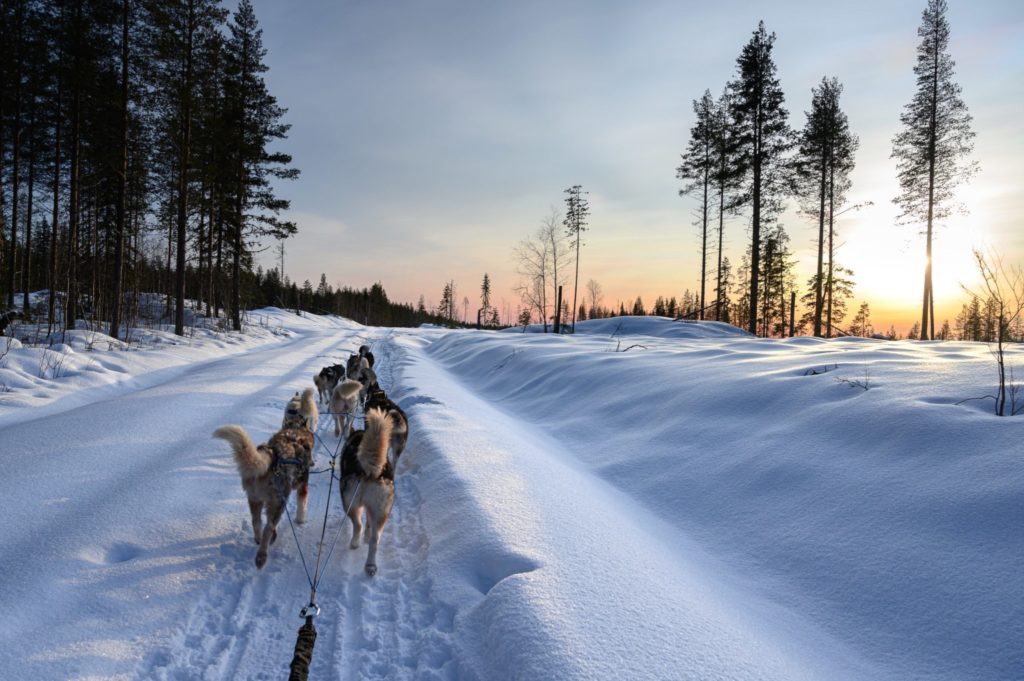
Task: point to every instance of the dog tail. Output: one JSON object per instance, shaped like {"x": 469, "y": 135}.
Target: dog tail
{"x": 252, "y": 462}
{"x": 309, "y": 406}
{"x": 373, "y": 449}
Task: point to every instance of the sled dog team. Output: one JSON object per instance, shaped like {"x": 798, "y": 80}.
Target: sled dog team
{"x": 272, "y": 471}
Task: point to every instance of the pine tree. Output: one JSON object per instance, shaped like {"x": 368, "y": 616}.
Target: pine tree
{"x": 861, "y": 325}
{"x": 932, "y": 148}
{"x": 823, "y": 165}
{"x": 727, "y": 182}
{"x": 485, "y": 300}
{"x": 255, "y": 119}
{"x": 725, "y": 285}
{"x": 777, "y": 281}
{"x": 576, "y": 212}
{"x": 697, "y": 172}
{"x": 763, "y": 139}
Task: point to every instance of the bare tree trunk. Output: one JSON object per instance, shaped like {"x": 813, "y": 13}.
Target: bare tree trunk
{"x": 122, "y": 186}
{"x": 703, "y": 240}
{"x": 719, "y": 294}
{"x": 26, "y": 272}
{"x": 51, "y": 277}
{"x": 818, "y": 301}
{"x": 185, "y": 157}
{"x": 755, "y": 229}
{"x": 71, "y": 306}
{"x": 218, "y": 298}
{"x": 236, "y": 262}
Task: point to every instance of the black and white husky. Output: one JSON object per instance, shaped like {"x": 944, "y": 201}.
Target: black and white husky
{"x": 326, "y": 379}
{"x": 368, "y": 482}
{"x": 378, "y": 399}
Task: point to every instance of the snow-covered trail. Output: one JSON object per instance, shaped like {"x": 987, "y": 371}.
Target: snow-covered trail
{"x": 138, "y": 511}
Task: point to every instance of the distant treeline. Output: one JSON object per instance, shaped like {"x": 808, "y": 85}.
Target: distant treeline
{"x": 367, "y": 306}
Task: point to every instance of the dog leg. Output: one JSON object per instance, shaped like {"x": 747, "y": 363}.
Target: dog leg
{"x": 256, "y": 511}
{"x": 376, "y": 528}
{"x": 398, "y": 446}
{"x": 356, "y": 516}
{"x": 269, "y": 533}
{"x": 300, "y": 515}
{"x": 338, "y": 418}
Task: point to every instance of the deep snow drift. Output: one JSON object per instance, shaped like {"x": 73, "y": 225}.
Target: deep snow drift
{"x": 645, "y": 499}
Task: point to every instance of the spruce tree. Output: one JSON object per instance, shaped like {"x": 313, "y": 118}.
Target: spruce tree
{"x": 932, "y": 149}
{"x": 575, "y": 221}
{"x": 726, "y": 178}
{"x": 697, "y": 172}
{"x": 763, "y": 139}
{"x": 485, "y": 293}
{"x": 823, "y": 164}
{"x": 255, "y": 119}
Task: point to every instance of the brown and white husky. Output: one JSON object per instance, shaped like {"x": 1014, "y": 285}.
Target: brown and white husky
{"x": 270, "y": 473}
{"x": 368, "y": 482}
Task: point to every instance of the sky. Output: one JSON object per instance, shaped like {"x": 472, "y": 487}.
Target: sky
{"x": 432, "y": 137}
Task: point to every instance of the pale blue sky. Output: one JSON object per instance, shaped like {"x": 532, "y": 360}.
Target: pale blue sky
{"x": 433, "y": 136}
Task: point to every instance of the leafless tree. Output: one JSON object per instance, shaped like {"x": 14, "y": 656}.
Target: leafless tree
{"x": 595, "y": 293}
{"x": 1004, "y": 287}
{"x": 541, "y": 260}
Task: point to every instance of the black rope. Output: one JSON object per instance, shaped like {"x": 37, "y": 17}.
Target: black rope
{"x": 303, "y": 652}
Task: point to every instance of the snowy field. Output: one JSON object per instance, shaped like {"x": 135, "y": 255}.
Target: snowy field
{"x": 646, "y": 499}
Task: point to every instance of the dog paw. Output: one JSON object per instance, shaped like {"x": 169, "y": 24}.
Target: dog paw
{"x": 354, "y": 544}
{"x": 261, "y": 559}
{"x": 300, "y": 519}
{"x": 371, "y": 569}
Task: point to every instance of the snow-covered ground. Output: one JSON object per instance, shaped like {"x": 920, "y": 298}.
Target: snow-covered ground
{"x": 646, "y": 499}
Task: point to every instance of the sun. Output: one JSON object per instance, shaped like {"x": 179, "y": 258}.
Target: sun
{"x": 888, "y": 261}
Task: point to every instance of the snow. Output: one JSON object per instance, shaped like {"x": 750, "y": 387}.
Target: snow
{"x": 645, "y": 499}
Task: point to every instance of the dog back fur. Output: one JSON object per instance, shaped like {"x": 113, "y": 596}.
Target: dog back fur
{"x": 343, "y": 405}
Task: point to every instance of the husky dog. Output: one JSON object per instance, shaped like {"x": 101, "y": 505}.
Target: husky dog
{"x": 364, "y": 351}
{"x": 378, "y": 399}
{"x": 270, "y": 473}
{"x": 301, "y": 411}
{"x": 343, "y": 406}
{"x": 368, "y": 482}
{"x": 326, "y": 379}
{"x": 358, "y": 368}
{"x": 355, "y": 366}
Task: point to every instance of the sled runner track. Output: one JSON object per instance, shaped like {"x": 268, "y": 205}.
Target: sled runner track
{"x": 244, "y": 624}
{"x": 392, "y": 628}
{"x": 385, "y": 627}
